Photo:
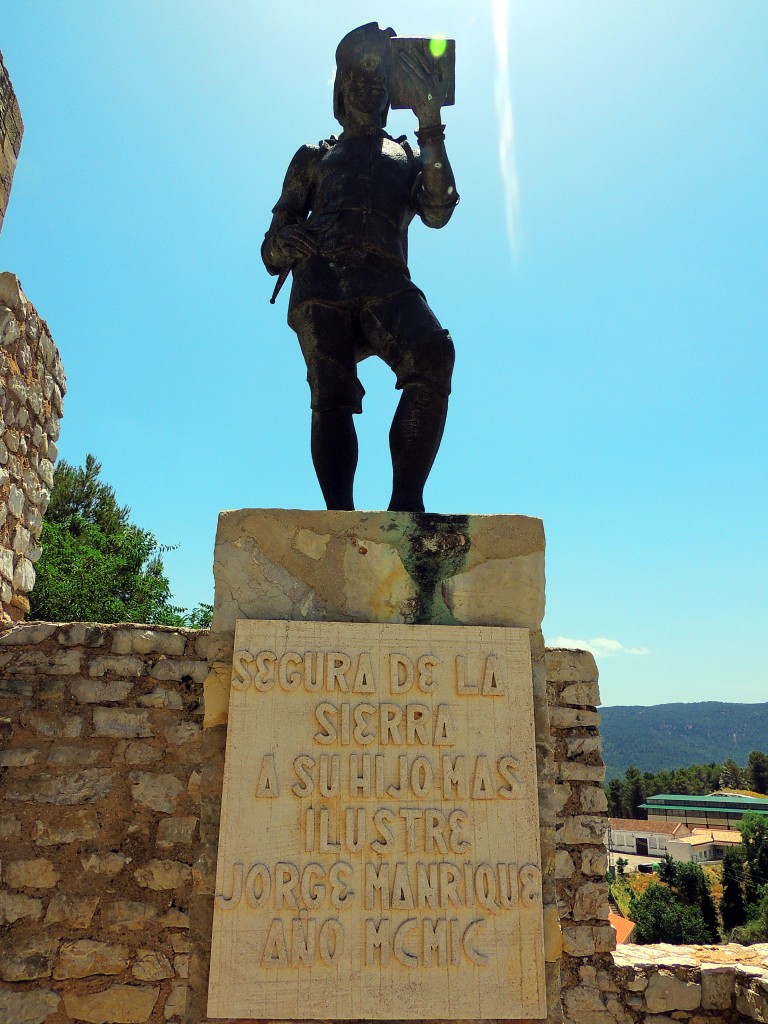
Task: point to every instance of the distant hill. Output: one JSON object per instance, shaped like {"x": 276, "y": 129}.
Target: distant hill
{"x": 678, "y": 735}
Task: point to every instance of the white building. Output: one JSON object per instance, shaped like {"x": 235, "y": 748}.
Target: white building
{"x": 643, "y": 838}
{"x": 705, "y": 845}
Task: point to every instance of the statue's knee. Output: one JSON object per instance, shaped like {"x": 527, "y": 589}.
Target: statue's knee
{"x": 433, "y": 362}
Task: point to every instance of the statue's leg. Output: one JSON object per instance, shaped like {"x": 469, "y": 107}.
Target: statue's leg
{"x": 414, "y": 439}
{"x": 407, "y": 335}
{"x": 327, "y": 335}
{"x": 334, "y": 455}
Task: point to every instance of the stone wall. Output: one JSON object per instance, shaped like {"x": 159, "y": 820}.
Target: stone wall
{"x": 32, "y": 385}
{"x": 98, "y": 820}
{"x": 100, "y": 736}
{"x": 581, "y": 859}
{"x": 11, "y": 131}
{"x": 630, "y": 984}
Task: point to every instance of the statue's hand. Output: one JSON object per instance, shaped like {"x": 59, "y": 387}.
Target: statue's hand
{"x": 426, "y": 105}
{"x": 294, "y": 243}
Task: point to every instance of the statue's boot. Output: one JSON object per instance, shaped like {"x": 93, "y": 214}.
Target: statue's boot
{"x": 414, "y": 439}
{"x": 334, "y": 455}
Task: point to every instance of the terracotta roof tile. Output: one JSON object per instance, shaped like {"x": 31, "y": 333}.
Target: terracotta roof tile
{"x": 623, "y": 927}
{"x": 668, "y": 828}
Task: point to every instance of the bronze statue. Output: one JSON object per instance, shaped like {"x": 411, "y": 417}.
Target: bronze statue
{"x": 341, "y": 227}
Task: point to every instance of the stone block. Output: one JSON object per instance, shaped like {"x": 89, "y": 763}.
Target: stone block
{"x": 67, "y": 727}
{"x": 85, "y": 957}
{"x": 121, "y": 723}
{"x": 586, "y": 940}
{"x": 174, "y": 919}
{"x": 73, "y": 911}
{"x": 27, "y": 633}
{"x": 581, "y": 693}
{"x": 35, "y": 873}
{"x": 718, "y": 982}
{"x": 151, "y": 965}
{"x": 35, "y": 663}
{"x": 553, "y": 936}
{"x": 127, "y": 915}
{"x": 376, "y": 567}
{"x": 752, "y": 1000}
{"x": 571, "y": 718}
{"x": 176, "y": 831}
{"x": 10, "y": 826}
{"x": 176, "y": 1003}
{"x": 570, "y": 666}
{"x": 666, "y": 992}
{"x": 19, "y": 757}
{"x": 163, "y": 874}
{"x": 72, "y": 756}
{"x": 136, "y": 752}
{"x": 118, "y": 1004}
{"x": 586, "y": 1005}
{"x": 594, "y": 862}
{"x": 572, "y": 771}
{"x": 592, "y": 799}
{"x": 576, "y": 745}
{"x": 591, "y": 902}
{"x": 82, "y": 634}
{"x": 28, "y": 959}
{"x": 124, "y": 666}
{"x": 161, "y": 792}
{"x": 29, "y": 1006}
{"x": 85, "y": 786}
{"x": 564, "y": 866}
{"x": 148, "y": 641}
{"x": 97, "y": 691}
{"x": 582, "y": 828}
{"x": 177, "y": 669}
{"x": 182, "y": 733}
{"x": 161, "y": 697}
{"x": 14, "y": 687}
{"x": 107, "y": 863}
{"x": 15, "y": 906}
{"x": 69, "y": 827}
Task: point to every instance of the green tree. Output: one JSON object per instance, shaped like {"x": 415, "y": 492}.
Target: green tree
{"x": 754, "y": 838}
{"x": 615, "y": 795}
{"x": 730, "y": 776}
{"x": 660, "y": 916}
{"x": 693, "y": 888}
{"x": 732, "y": 908}
{"x": 96, "y": 565}
{"x": 757, "y": 771}
{"x": 668, "y": 869}
{"x": 635, "y": 792}
{"x": 756, "y": 928}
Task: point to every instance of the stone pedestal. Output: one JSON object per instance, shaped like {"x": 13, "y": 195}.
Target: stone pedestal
{"x": 374, "y": 567}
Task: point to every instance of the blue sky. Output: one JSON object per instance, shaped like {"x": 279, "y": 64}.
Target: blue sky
{"x": 604, "y": 280}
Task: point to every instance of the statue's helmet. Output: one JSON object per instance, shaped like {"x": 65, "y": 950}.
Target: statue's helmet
{"x": 350, "y": 51}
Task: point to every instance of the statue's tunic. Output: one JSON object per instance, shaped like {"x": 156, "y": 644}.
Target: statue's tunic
{"x": 357, "y": 195}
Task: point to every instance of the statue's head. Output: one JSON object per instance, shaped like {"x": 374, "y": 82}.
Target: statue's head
{"x": 364, "y": 73}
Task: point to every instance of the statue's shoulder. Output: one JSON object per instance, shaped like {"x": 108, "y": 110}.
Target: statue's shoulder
{"x": 411, "y": 152}
{"x": 306, "y": 157}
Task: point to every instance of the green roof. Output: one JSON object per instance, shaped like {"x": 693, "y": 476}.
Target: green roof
{"x": 684, "y": 802}
{"x": 711, "y": 800}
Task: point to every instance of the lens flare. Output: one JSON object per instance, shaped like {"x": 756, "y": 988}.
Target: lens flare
{"x": 505, "y": 120}
{"x": 437, "y": 46}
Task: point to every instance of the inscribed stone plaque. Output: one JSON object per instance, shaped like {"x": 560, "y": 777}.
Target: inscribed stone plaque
{"x": 379, "y": 845}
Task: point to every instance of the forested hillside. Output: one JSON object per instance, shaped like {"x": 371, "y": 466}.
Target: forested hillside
{"x": 678, "y": 735}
